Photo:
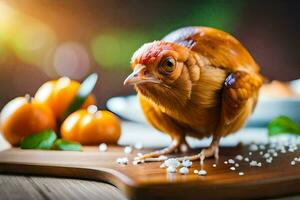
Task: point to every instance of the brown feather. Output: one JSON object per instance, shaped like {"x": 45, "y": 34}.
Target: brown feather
{"x": 195, "y": 99}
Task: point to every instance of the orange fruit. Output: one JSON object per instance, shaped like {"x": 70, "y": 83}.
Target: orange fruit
{"x": 91, "y": 128}
{"x": 58, "y": 94}
{"x": 25, "y": 116}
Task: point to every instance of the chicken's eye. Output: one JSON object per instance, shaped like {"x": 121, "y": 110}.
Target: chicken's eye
{"x": 168, "y": 65}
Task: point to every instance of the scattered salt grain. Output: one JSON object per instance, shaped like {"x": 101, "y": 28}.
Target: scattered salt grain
{"x": 266, "y": 155}
{"x": 291, "y": 150}
{"x": 225, "y": 162}
{"x": 269, "y": 160}
{"x": 239, "y": 157}
{"x": 196, "y": 171}
{"x": 262, "y": 147}
{"x": 236, "y": 165}
{"x": 186, "y": 163}
{"x": 103, "y": 147}
{"x": 297, "y": 159}
{"x": 214, "y": 165}
{"x": 247, "y": 159}
{"x": 275, "y": 154}
{"x": 283, "y": 151}
{"x": 231, "y": 161}
{"x": 271, "y": 151}
{"x": 138, "y": 145}
{"x": 241, "y": 173}
{"x": 202, "y": 172}
{"x": 171, "y": 169}
{"x": 293, "y": 162}
{"x": 232, "y": 168}
{"x": 128, "y": 149}
{"x": 253, "y": 147}
{"x": 183, "y": 170}
{"x": 122, "y": 161}
{"x": 253, "y": 163}
{"x": 261, "y": 153}
{"x": 172, "y": 162}
{"x": 250, "y": 153}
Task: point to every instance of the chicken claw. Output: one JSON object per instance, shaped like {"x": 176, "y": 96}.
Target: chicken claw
{"x": 177, "y": 144}
{"x": 212, "y": 150}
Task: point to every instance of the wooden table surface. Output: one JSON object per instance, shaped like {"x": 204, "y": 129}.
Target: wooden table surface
{"x": 32, "y": 187}
{"x": 38, "y": 188}
{"x": 14, "y": 187}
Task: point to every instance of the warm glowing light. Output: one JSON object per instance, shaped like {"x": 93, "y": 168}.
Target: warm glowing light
{"x": 30, "y": 39}
{"x": 7, "y": 15}
{"x": 71, "y": 59}
{"x": 33, "y": 42}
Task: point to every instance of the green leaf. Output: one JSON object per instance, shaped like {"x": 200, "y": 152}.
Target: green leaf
{"x": 41, "y": 140}
{"x": 65, "y": 145}
{"x": 283, "y": 124}
{"x": 84, "y": 91}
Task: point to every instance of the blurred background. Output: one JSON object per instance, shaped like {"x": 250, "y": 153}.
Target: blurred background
{"x": 45, "y": 39}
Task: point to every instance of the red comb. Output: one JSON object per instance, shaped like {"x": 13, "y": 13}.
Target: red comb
{"x": 149, "y": 52}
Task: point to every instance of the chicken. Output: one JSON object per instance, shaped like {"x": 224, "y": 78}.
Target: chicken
{"x": 196, "y": 81}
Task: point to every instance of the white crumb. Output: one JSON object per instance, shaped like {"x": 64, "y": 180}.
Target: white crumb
{"x": 186, "y": 163}
{"x": 293, "y": 162}
{"x": 172, "y": 162}
{"x": 202, "y": 172}
{"x": 239, "y": 157}
{"x": 231, "y": 161}
{"x": 122, "y": 161}
{"x": 171, "y": 169}
{"x": 128, "y": 150}
{"x": 103, "y": 147}
{"x": 253, "y": 147}
{"x": 183, "y": 170}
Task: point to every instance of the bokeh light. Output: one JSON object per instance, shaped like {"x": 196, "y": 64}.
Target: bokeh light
{"x": 71, "y": 59}
{"x": 42, "y": 40}
{"x": 7, "y": 21}
{"x": 114, "y": 49}
{"x": 219, "y": 14}
{"x": 33, "y": 42}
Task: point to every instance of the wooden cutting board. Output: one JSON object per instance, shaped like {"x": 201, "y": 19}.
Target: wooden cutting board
{"x": 149, "y": 181}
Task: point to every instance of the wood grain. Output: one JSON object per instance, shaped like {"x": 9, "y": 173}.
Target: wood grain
{"x": 39, "y": 188}
{"x": 148, "y": 181}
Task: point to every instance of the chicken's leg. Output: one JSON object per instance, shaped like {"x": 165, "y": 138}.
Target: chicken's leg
{"x": 212, "y": 150}
{"x": 178, "y": 143}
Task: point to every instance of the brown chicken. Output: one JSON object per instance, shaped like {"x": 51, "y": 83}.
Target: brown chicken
{"x": 196, "y": 81}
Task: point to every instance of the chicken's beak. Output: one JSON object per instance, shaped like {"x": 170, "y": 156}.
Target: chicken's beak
{"x": 139, "y": 75}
